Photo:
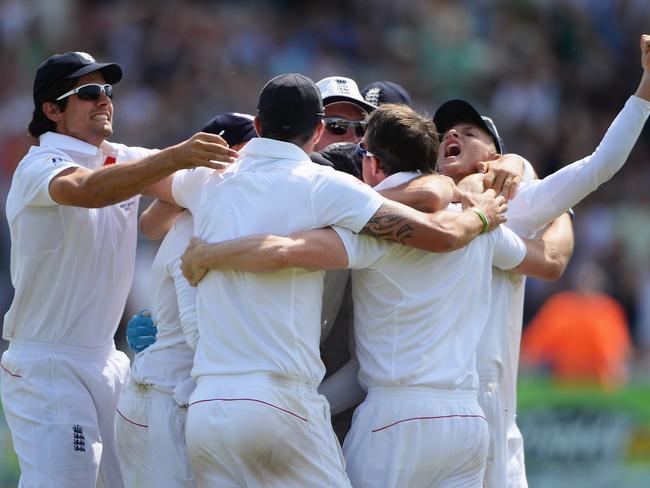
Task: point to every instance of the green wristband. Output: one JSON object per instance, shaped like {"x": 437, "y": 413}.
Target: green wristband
{"x": 484, "y": 218}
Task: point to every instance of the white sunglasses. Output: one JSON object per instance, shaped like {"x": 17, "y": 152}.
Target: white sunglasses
{"x": 91, "y": 91}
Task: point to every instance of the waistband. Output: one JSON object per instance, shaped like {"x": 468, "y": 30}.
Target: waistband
{"x": 253, "y": 380}
{"x": 39, "y": 349}
{"x": 421, "y": 393}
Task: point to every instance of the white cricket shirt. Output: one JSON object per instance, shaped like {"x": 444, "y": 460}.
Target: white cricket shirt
{"x": 537, "y": 204}
{"x": 418, "y": 316}
{"x": 168, "y": 361}
{"x": 268, "y": 322}
{"x": 71, "y": 267}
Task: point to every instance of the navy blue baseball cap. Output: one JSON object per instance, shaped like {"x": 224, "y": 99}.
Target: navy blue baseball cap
{"x": 459, "y": 111}
{"x": 71, "y": 64}
{"x": 386, "y": 92}
{"x": 236, "y": 127}
{"x": 290, "y": 103}
{"x": 342, "y": 156}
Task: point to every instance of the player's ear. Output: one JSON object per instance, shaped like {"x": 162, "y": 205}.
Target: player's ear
{"x": 318, "y": 132}
{"x": 51, "y": 111}
{"x": 375, "y": 165}
{"x": 258, "y": 125}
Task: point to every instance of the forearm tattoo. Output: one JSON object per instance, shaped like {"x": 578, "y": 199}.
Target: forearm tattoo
{"x": 389, "y": 226}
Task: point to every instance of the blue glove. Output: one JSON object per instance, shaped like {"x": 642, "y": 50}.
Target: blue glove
{"x": 140, "y": 331}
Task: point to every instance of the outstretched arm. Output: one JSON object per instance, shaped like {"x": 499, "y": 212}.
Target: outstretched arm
{"x": 108, "y": 185}
{"x": 544, "y": 200}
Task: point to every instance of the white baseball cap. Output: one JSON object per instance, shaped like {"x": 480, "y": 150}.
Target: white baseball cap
{"x": 339, "y": 89}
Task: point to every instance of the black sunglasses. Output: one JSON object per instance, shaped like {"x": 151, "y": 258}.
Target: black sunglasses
{"x": 339, "y": 126}
{"x": 91, "y": 91}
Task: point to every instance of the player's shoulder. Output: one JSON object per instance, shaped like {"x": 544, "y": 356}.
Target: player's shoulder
{"x": 40, "y": 158}
{"x": 42, "y": 153}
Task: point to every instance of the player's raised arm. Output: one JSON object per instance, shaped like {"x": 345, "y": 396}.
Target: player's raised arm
{"x": 643, "y": 91}
{"x": 550, "y": 197}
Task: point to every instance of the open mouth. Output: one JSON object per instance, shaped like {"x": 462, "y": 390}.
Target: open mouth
{"x": 100, "y": 117}
{"x": 452, "y": 149}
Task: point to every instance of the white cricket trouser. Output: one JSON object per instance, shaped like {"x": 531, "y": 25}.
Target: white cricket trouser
{"x": 261, "y": 431}
{"x": 60, "y": 402}
{"x": 497, "y": 458}
{"x": 150, "y": 431}
{"x": 516, "y": 465}
{"x": 417, "y": 437}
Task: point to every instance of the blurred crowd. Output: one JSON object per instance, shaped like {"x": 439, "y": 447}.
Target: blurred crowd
{"x": 552, "y": 74}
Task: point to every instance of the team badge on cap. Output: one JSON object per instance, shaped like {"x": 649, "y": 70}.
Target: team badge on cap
{"x": 86, "y": 56}
{"x": 340, "y": 89}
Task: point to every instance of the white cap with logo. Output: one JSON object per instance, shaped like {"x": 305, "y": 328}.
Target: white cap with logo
{"x": 340, "y": 89}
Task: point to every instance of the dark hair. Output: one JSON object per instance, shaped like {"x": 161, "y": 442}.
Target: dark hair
{"x": 403, "y": 139}
{"x": 299, "y": 139}
{"x": 40, "y": 124}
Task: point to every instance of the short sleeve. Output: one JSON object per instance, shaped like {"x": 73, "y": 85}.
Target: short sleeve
{"x": 187, "y": 186}
{"x": 343, "y": 200}
{"x": 509, "y": 248}
{"x": 33, "y": 177}
{"x": 362, "y": 251}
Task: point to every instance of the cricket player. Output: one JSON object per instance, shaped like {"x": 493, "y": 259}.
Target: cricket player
{"x": 536, "y": 204}
{"x": 345, "y": 114}
{"x": 420, "y": 424}
{"x": 72, "y": 214}
{"x": 255, "y": 418}
{"x": 150, "y": 416}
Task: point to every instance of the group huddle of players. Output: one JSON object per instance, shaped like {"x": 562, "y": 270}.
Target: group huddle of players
{"x": 335, "y": 230}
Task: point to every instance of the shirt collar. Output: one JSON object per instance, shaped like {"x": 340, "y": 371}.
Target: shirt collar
{"x": 396, "y": 179}
{"x": 270, "y": 149}
{"x": 67, "y": 143}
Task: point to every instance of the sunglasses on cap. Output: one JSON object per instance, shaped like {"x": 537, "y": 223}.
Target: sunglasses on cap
{"x": 340, "y": 126}
{"x": 91, "y": 91}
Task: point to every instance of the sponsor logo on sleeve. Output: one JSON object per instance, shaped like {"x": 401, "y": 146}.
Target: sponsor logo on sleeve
{"x": 56, "y": 160}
